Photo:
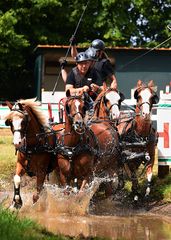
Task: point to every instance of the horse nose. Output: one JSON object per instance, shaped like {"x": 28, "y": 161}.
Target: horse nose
{"x": 145, "y": 115}
{"x": 17, "y": 139}
{"x": 115, "y": 114}
{"x": 79, "y": 123}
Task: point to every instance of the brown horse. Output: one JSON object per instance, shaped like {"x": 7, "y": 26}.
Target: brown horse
{"x": 138, "y": 137}
{"x": 107, "y": 105}
{"x": 106, "y": 139}
{"x": 92, "y": 148}
{"x": 75, "y": 158}
{"x": 107, "y": 110}
{"x": 30, "y": 137}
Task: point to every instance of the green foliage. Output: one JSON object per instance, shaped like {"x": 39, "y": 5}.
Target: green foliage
{"x": 26, "y": 23}
{"x": 162, "y": 188}
{"x": 10, "y": 41}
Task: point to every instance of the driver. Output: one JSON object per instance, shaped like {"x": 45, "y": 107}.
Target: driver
{"x": 84, "y": 78}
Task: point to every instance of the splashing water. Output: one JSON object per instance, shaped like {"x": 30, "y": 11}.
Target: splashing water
{"x": 53, "y": 200}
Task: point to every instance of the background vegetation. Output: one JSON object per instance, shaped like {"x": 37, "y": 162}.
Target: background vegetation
{"x": 26, "y": 23}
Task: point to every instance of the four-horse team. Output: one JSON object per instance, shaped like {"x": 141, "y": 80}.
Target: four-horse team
{"x": 105, "y": 144}
{"x": 94, "y": 140}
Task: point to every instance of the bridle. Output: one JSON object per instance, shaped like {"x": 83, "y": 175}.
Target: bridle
{"x": 72, "y": 116}
{"x": 106, "y": 108}
{"x": 139, "y": 105}
{"x": 25, "y": 120}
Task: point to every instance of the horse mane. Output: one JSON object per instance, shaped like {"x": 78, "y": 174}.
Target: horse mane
{"x": 34, "y": 105}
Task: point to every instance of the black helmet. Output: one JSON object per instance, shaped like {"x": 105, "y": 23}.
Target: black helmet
{"x": 91, "y": 53}
{"x": 81, "y": 57}
{"x": 98, "y": 44}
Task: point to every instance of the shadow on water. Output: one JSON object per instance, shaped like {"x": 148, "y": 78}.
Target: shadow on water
{"x": 73, "y": 215}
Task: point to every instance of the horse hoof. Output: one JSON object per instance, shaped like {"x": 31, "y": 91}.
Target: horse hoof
{"x": 136, "y": 198}
{"x": 66, "y": 193}
{"x": 120, "y": 185}
{"x": 15, "y": 206}
{"x": 35, "y": 198}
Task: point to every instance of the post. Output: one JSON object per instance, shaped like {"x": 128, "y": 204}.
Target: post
{"x": 164, "y": 131}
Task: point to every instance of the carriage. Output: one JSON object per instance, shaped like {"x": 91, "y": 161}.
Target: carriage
{"x": 80, "y": 148}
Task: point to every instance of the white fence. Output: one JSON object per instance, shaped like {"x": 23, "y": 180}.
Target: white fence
{"x": 161, "y": 117}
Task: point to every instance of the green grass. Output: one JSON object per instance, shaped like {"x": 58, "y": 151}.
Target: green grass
{"x": 7, "y": 157}
{"x": 162, "y": 188}
{"x": 13, "y": 228}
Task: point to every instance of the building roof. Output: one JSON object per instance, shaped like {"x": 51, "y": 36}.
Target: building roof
{"x": 114, "y": 48}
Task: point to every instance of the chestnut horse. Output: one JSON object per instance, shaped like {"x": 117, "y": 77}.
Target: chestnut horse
{"x": 75, "y": 157}
{"x": 138, "y": 137}
{"x": 107, "y": 109}
{"x": 107, "y": 105}
{"x": 103, "y": 126}
{"x": 34, "y": 154}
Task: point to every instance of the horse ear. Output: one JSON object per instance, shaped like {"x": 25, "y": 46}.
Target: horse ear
{"x": 68, "y": 94}
{"x": 122, "y": 97}
{"x": 67, "y": 109}
{"x": 8, "y": 122}
{"x": 20, "y": 106}
{"x": 136, "y": 94}
{"x": 9, "y": 104}
{"x": 104, "y": 86}
{"x": 151, "y": 84}
{"x": 155, "y": 99}
{"x": 139, "y": 83}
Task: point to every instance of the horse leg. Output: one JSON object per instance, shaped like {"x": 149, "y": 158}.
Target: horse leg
{"x": 40, "y": 180}
{"x": 64, "y": 170}
{"x": 120, "y": 178}
{"x": 17, "y": 201}
{"x": 83, "y": 184}
{"x": 83, "y": 167}
{"x": 149, "y": 170}
{"x": 149, "y": 178}
{"x": 135, "y": 186}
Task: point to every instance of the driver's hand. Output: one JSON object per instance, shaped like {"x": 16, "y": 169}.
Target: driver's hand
{"x": 85, "y": 88}
{"x": 94, "y": 87}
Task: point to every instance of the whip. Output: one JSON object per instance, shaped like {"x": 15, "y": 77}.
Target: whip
{"x": 135, "y": 59}
{"x": 76, "y": 29}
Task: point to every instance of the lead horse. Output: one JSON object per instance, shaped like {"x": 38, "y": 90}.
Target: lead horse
{"x": 138, "y": 137}
{"x": 75, "y": 158}
{"x": 33, "y": 145}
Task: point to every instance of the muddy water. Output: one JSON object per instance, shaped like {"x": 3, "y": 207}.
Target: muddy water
{"x": 73, "y": 215}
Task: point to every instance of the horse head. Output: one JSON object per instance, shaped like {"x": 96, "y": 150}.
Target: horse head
{"x": 25, "y": 118}
{"x": 146, "y": 97}
{"x": 75, "y": 111}
{"x": 110, "y": 103}
{"x": 18, "y": 120}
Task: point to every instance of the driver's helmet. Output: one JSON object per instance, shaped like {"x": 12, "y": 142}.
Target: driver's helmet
{"x": 82, "y": 57}
{"x": 98, "y": 44}
{"x": 91, "y": 53}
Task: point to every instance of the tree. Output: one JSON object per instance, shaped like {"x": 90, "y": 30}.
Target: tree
{"x": 26, "y": 23}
